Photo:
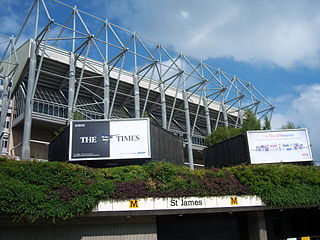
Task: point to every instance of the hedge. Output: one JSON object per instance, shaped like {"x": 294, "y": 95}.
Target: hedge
{"x": 32, "y": 190}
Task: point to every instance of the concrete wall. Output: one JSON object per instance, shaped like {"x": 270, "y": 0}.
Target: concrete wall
{"x": 134, "y": 228}
{"x": 41, "y": 131}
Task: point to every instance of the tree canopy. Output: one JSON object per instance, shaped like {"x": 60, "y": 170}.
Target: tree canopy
{"x": 222, "y": 134}
{"x": 267, "y": 124}
{"x": 289, "y": 125}
{"x": 250, "y": 122}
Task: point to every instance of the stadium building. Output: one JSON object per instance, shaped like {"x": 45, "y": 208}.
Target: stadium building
{"x": 69, "y": 64}
{"x": 65, "y": 64}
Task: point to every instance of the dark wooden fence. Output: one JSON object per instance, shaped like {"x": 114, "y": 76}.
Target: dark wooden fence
{"x": 231, "y": 152}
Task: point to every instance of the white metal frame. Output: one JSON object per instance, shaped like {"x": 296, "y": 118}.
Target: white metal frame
{"x": 196, "y": 87}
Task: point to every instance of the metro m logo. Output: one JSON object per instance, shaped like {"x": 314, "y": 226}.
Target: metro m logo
{"x": 133, "y": 204}
{"x": 234, "y": 201}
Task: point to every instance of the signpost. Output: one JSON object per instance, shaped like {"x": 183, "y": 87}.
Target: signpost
{"x": 279, "y": 146}
{"x": 109, "y": 139}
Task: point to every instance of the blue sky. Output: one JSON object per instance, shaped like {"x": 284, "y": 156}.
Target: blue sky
{"x": 273, "y": 44}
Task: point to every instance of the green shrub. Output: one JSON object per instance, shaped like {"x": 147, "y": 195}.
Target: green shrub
{"x": 36, "y": 189}
{"x": 282, "y": 184}
{"x": 125, "y": 174}
{"x": 60, "y": 190}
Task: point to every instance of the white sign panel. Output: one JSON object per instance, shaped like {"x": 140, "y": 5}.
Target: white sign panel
{"x": 109, "y": 139}
{"x": 279, "y": 146}
{"x": 179, "y": 203}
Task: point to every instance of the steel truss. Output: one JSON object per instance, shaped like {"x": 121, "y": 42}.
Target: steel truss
{"x": 8, "y": 67}
{"x": 113, "y": 72}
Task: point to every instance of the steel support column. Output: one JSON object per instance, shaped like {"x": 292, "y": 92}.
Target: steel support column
{"x": 72, "y": 80}
{"x": 241, "y": 116}
{"x": 162, "y": 92}
{"x": 224, "y": 111}
{"x": 4, "y": 109}
{"x": 207, "y": 114}
{"x": 188, "y": 127}
{"x": 163, "y": 105}
{"x": 25, "y": 154}
{"x": 136, "y": 80}
{"x": 106, "y": 91}
{"x": 136, "y": 96}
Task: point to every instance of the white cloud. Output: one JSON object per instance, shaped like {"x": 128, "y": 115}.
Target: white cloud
{"x": 284, "y": 33}
{"x": 184, "y": 14}
{"x": 9, "y": 24}
{"x": 282, "y": 99}
{"x": 9, "y": 19}
{"x": 304, "y": 110}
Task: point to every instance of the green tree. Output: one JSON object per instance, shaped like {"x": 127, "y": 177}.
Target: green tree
{"x": 250, "y": 121}
{"x": 59, "y": 131}
{"x": 77, "y": 116}
{"x": 267, "y": 124}
{"x": 289, "y": 125}
{"x": 222, "y": 134}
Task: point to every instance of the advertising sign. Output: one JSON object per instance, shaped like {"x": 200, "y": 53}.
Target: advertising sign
{"x": 109, "y": 139}
{"x": 279, "y": 146}
{"x": 140, "y": 204}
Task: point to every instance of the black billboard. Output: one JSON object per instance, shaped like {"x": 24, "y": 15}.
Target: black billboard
{"x": 90, "y": 139}
{"x": 109, "y": 139}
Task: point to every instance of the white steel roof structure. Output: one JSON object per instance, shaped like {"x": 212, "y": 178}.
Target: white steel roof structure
{"x": 74, "y": 64}
{"x": 8, "y": 67}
